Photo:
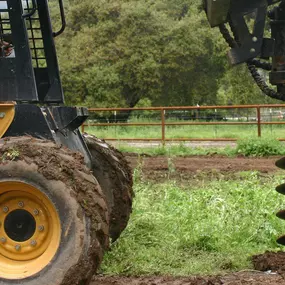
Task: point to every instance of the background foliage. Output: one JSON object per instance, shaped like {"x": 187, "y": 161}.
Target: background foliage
{"x": 120, "y": 53}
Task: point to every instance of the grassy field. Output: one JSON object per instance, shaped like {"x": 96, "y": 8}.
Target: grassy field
{"x": 206, "y": 227}
{"x": 174, "y": 132}
{"x": 177, "y": 150}
{"x": 246, "y": 147}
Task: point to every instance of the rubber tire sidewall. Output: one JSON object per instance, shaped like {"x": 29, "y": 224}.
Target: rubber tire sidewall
{"x": 75, "y": 239}
{"x": 114, "y": 175}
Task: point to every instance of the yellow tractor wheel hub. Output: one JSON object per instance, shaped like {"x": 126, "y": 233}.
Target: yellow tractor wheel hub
{"x": 29, "y": 230}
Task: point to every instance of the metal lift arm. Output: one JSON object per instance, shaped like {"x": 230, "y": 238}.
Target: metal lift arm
{"x": 249, "y": 45}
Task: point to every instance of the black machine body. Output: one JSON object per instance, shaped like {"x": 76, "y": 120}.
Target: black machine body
{"x": 29, "y": 75}
{"x": 247, "y": 21}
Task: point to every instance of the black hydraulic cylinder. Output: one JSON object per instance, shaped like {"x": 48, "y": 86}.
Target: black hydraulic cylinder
{"x": 277, "y": 76}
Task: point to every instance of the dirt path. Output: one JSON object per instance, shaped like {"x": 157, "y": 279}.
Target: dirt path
{"x": 243, "y": 278}
{"x": 185, "y": 168}
{"x": 193, "y": 144}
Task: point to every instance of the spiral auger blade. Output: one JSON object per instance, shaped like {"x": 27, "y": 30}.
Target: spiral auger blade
{"x": 281, "y": 189}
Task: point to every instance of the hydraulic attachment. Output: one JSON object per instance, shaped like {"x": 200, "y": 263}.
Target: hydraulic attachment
{"x": 248, "y": 21}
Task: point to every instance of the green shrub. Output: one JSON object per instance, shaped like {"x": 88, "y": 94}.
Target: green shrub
{"x": 260, "y": 147}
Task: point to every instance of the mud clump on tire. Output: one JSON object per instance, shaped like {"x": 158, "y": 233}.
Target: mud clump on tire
{"x": 114, "y": 175}
{"x": 56, "y": 163}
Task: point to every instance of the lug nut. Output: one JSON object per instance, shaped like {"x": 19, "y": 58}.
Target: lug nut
{"x": 5, "y": 209}
{"x": 3, "y": 239}
{"x": 36, "y": 212}
{"x": 21, "y": 204}
{"x": 33, "y": 243}
{"x": 17, "y": 247}
{"x": 41, "y": 228}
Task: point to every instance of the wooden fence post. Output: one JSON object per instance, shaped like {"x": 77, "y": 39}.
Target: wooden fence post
{"x": 163, "y": 126}
{"x": 258, "y": 121}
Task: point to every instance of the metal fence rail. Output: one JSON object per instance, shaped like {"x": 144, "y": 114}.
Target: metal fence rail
{"x": 258, "y": 122}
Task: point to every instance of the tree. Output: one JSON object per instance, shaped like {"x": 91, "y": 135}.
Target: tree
{"x": 238, "y": 87}
{"x": 116, "y": 53}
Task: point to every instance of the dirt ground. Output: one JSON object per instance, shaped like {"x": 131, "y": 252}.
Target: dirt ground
{"x": 192, "y": 167}
{"x": 241, "y": 278}
{"x": 269, "y": 267}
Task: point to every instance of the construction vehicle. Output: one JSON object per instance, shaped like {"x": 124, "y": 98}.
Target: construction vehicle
{"x": 247, "y": 21}
{"x": 62, "y": 195}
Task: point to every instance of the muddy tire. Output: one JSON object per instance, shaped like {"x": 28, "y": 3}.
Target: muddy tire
{"x": 114, "y": 175}
{"x": 54, "y": 217}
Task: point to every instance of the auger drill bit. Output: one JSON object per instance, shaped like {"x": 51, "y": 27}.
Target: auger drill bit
{"x": 281, "y": 189}
{"x": 277, "y": 77}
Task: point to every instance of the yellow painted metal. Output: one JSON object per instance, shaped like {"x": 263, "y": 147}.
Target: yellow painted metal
{"x": 7, "y": 114}
{"x": 23, "y": 259}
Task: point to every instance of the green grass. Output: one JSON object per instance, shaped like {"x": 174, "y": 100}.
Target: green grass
{"x": 172, "y": 132}
{"x": 176, "y": 150}
{"x": 246, "y": 147}
{"x": 208, "y": 227}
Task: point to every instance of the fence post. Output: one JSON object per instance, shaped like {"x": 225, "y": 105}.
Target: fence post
{"x": 258, "y": 122}
{"x": 115, "y": 115}
{"x": 271, "y": 126}
{"x": 83, "y": 127}
{"x": 163, "y": 126}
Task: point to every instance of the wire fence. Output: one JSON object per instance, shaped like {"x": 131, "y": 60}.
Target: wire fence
{"x": 188, "y": 123}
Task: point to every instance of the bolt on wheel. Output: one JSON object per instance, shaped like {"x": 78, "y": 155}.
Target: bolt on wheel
{"x": 29, "y": 230}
